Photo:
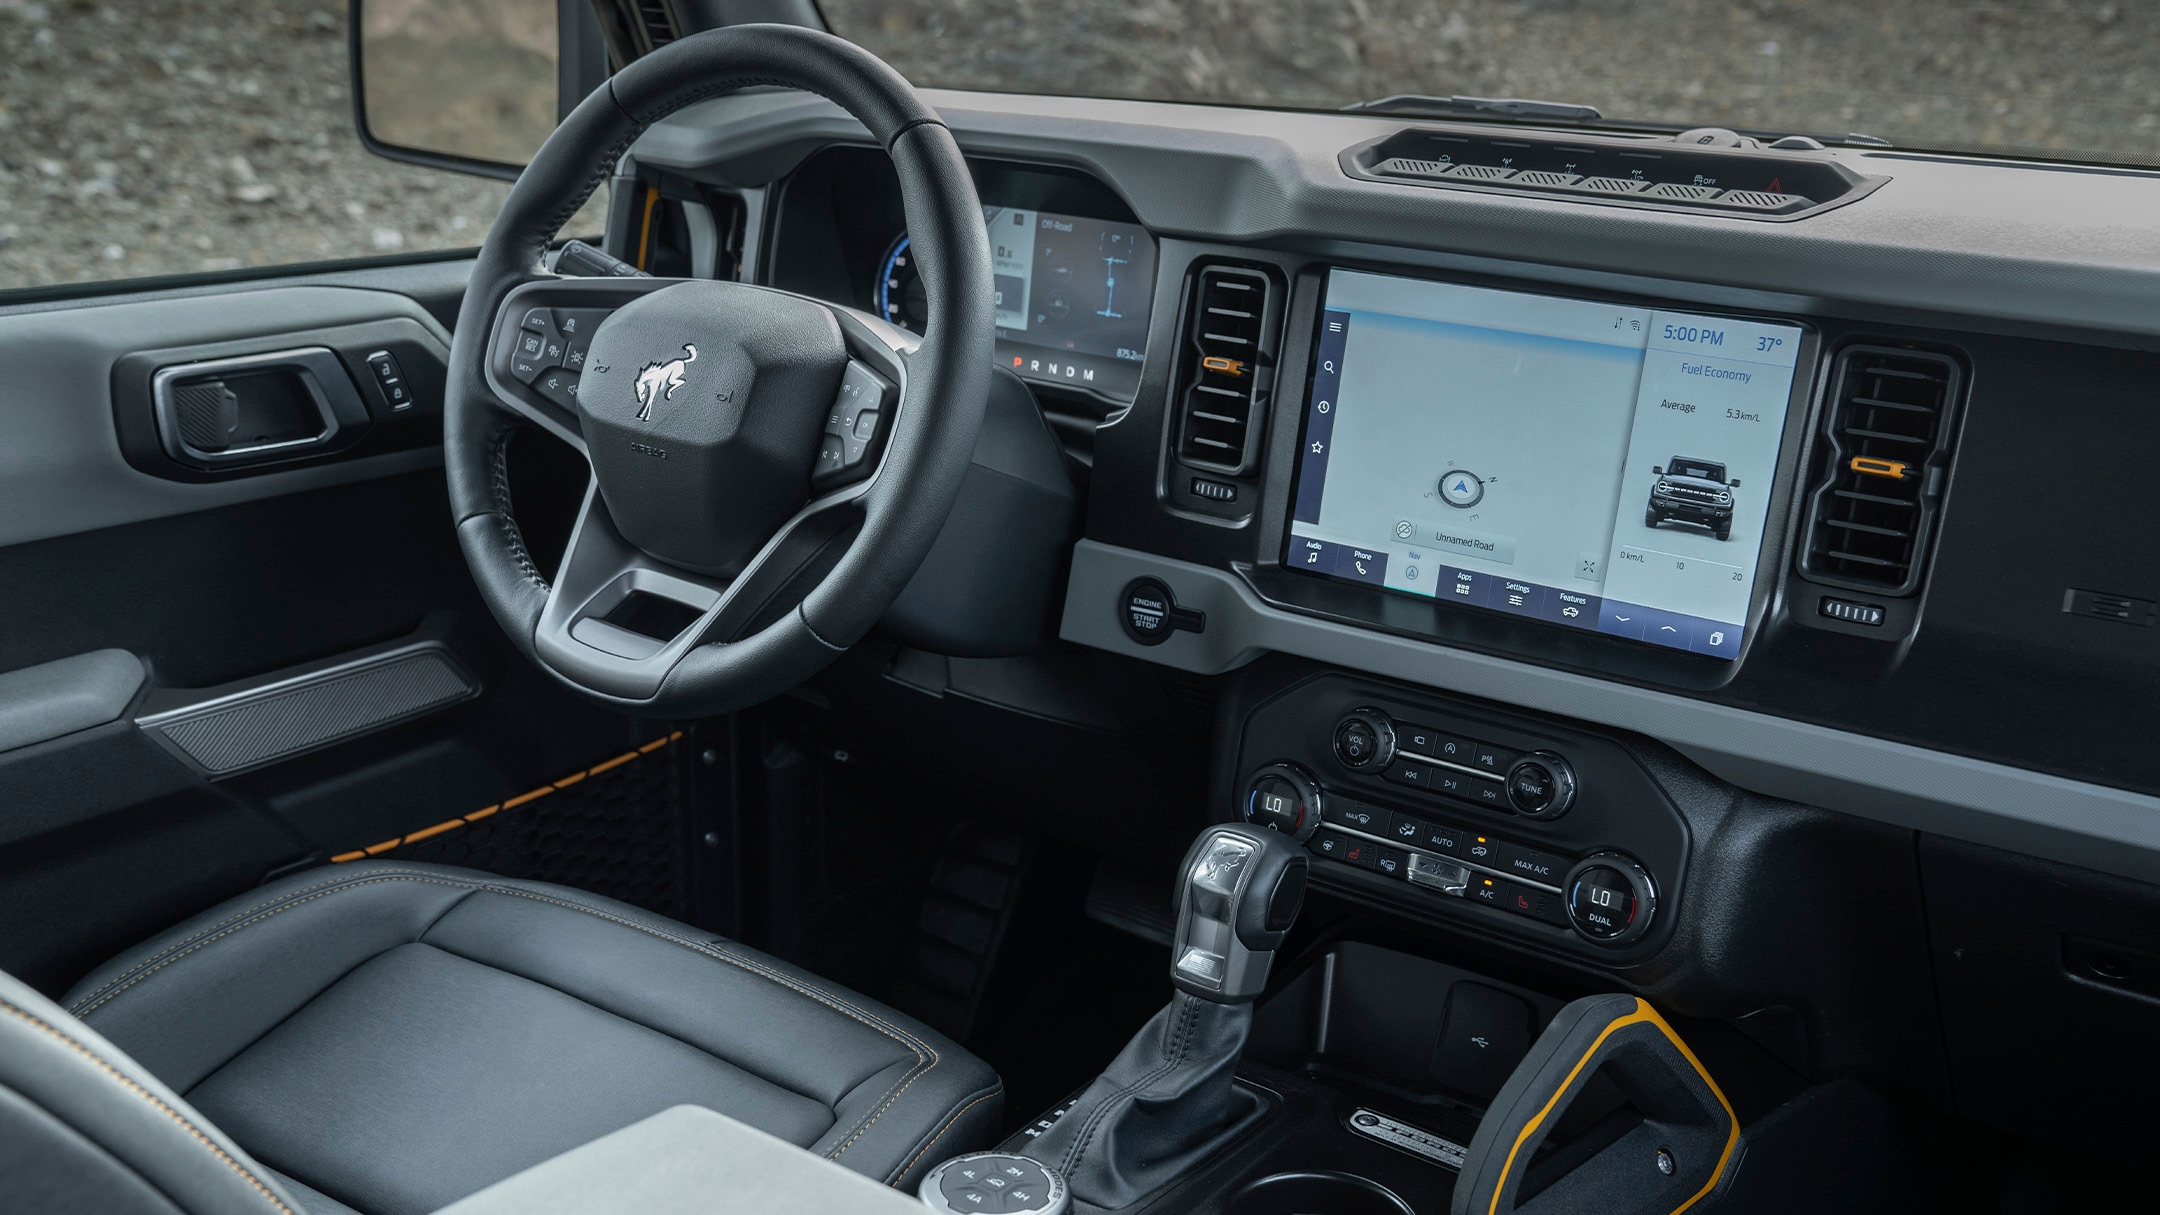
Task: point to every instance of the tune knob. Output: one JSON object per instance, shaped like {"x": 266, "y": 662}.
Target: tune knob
{"x": 1286, "y": 798}
{"x": 1365, "y": 740}
{"x": 1541, "y": 785}
{"x": 1610, "y": 899}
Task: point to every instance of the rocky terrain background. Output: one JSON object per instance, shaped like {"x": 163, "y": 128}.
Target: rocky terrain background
{"x": 152, "y": 137}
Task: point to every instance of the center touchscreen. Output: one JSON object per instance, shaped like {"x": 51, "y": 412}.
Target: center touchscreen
{"x": 1594, "y": 465}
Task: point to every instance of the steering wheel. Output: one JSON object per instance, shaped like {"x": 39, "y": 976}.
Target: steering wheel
{"x": 768, "y": 471}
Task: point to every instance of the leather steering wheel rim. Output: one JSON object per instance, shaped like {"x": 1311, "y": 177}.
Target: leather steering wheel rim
{"x": 946, "y": 375}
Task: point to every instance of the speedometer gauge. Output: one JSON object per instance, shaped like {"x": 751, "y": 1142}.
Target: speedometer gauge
{"x": 898, "y": 292}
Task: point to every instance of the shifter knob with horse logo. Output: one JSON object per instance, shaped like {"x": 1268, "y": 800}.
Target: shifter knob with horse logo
{"x": 660, "y": 380}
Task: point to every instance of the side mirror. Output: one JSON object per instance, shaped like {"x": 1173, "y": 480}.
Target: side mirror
{"x": 1657, "y": 470}
{"x": 1735, "y": 483}
{"x": 473, "y": 86}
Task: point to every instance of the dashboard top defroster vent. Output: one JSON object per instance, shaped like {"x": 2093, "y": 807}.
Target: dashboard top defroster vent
{"x": 1227, "y": 368}
{"x": 1887, "y": 436}
{"x": 1744, "y": 181}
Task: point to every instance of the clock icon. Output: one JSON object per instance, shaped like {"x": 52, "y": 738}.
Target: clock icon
{"x": 1461, "y": 488}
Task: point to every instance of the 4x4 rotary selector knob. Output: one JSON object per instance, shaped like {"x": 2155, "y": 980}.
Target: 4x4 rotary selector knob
{"x": 1365, "y": 740}
{"x": 1286, "y": 798}
{"x": 1541, "y": 785}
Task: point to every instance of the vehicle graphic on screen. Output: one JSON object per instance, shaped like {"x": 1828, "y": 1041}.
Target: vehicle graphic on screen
{"x": 1694, "y": 491}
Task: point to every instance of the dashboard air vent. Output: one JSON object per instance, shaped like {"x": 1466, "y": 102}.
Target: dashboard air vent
{"x": 635, "y": 28}
{"x": 1227, "y": 366}
{"x": 1888, "y": 424}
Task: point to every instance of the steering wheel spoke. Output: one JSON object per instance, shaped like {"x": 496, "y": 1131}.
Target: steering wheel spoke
{"x": 620, "y": 621}
{"x": 536, "y": 351}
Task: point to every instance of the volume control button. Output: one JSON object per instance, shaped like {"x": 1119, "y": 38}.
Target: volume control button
{"x": 1365, "y": 740}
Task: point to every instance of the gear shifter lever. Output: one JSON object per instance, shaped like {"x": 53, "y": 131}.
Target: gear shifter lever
{"x": 1169, "y": 1099}
{"x": 1241, "y": 889}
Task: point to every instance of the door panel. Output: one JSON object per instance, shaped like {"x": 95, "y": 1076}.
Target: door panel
{"x": 106, "y": 836}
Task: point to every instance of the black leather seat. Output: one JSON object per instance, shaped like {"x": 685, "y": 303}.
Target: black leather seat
{"x": 387, "y": 1038}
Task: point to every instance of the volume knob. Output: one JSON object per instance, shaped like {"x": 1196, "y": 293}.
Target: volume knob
{"x": 1365, "y": 740}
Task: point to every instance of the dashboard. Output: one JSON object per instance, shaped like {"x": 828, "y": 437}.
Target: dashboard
{"x": 1780, "y": 467}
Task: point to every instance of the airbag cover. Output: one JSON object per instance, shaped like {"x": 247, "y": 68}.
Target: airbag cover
{"x": 702, "y": 405}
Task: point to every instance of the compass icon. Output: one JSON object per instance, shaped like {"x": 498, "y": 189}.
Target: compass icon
{"x": 1461, "y": 488}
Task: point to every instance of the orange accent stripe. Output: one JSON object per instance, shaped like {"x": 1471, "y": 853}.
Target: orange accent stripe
{"x": 522, "y": 798}
{"x": 1643, "y": 1015}
{"x": 437, "y": 829}
{"x": 519, "y": 800}
{"x": 644, "y": 240}
{"x": 1871, "y": 467}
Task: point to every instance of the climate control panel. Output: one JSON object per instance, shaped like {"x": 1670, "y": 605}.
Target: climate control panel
{"x": 1450, "y": 809}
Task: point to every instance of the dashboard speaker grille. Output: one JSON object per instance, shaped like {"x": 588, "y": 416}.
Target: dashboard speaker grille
{"x": 1226, "y": 339}
{"x": 1886, "y": 465}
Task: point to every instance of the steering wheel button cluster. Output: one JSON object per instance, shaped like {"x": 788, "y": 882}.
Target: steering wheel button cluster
{"x": 851, "y": 425}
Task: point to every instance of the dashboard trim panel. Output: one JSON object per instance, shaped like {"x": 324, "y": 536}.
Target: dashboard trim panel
{"x": 2093, "y": 826}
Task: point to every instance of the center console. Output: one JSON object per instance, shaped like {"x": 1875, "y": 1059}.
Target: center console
{"x": 1440, "y": 809}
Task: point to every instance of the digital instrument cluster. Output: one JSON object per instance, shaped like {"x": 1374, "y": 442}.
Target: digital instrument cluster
{"x": 1073, "y": 296}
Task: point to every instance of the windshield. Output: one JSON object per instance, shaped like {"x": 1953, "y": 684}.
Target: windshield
{"x": 1681, "y": 467}
{"x": 2061, "y": 79}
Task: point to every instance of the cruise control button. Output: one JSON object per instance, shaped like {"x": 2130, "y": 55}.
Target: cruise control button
{"x": 1357, "y": 816}
{"x": 536, "y": 319}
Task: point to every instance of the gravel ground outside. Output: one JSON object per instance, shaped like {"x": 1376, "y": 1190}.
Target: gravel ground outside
{"x": 149, "y": 137}
{"x": 153, "y": 137}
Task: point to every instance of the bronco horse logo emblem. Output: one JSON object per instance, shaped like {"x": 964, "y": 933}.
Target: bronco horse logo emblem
{"x": 658, "y": 381}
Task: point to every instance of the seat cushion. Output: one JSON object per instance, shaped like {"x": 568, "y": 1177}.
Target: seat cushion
{"x": 392, "y": 1037}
